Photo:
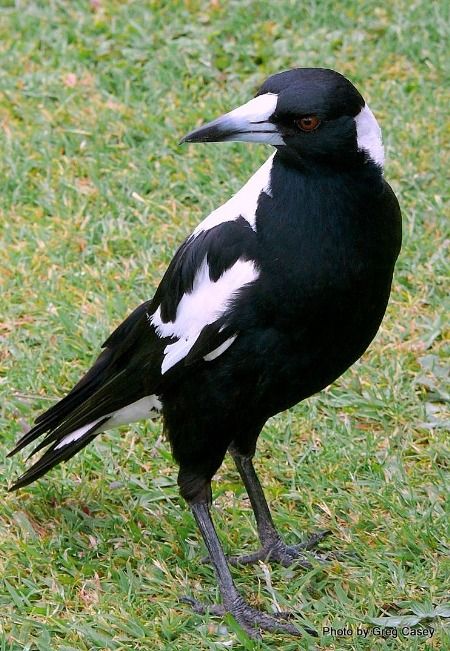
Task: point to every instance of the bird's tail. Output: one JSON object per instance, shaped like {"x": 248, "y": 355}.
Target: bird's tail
{"x": 90, "y": 408}
{"x": 115, "y": 391}
{"x": 62, "y": 448}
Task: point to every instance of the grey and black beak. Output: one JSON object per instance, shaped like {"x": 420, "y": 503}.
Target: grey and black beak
{"x": 248, "y": 123}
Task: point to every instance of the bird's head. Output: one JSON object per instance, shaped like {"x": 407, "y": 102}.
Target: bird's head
{"x": 309, "y": 114}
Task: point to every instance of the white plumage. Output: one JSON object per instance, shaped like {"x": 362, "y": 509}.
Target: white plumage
{"x": 368, "y": 134}
{"x": 133, "y": 412}
{"x": 243, "y": 203}
{"x": 204, "y": 305}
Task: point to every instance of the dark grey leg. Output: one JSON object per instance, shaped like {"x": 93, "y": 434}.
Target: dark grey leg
{"x": 248, "y": 617}
{"x": 273, "y": 547}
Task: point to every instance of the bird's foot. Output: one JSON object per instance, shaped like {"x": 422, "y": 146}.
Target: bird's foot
{"x": 250, "y": 619}
{"x": 277, "y": 551}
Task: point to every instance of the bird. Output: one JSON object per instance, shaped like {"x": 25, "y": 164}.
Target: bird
{"x": 270, "y": 299}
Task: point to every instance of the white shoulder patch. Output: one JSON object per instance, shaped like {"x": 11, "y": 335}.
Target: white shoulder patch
{"x": 206, "y": 302}
{"x": 368, "y": 134}
{"x": 244, "y": 202}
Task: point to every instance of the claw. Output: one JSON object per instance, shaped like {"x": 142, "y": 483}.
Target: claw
{"x": 276, "y": 551}
{"x": 314, "y": 539}
{"x": 249, "y": 618}
{"x": 203, "y": 609}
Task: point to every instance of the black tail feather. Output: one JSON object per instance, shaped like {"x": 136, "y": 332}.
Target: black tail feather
{"x": 54, "y": 456}
{"x": 88, "y": 383}
{"x": 113, "y": 382}
{"x": 31, "y": 435}
{"x": 51, "y": 418}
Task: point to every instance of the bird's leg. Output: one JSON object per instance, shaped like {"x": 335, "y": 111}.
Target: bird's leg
{"x": 273, "y": 548}
{"x": 249, "y": 618}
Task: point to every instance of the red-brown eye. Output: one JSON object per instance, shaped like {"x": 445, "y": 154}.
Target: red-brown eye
{"x": 308, "y": 122}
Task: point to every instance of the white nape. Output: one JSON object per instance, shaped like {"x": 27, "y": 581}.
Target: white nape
{"x": 142, "y": 408}
{"x": 207, "y": 301}
{"x": 368, "y": 135}
{"x": 244, "y": 203}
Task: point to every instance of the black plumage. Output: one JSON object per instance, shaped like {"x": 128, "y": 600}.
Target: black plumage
{"x": 270, "y": 300}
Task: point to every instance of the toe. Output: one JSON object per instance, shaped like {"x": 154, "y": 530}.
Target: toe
{"x": 273, "y": 624}
{"x": 313, "y": 540}
{"x": 203, "y": 609}
{"x": 250, "y": 619}
{"x": 278, "y": 552}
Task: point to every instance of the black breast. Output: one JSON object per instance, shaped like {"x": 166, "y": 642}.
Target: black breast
{"x": 327, "y": 249}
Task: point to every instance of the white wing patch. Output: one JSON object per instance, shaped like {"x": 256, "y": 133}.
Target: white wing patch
{"x": 206, "y": 302}
{"x": 243, "y": 203}
{"x": 220, "y": 349}
{"x": 138, "y": 410}
{"x": 368, "y": 134}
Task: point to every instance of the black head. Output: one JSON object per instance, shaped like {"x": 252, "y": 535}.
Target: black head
{"x": 309, "y": 114}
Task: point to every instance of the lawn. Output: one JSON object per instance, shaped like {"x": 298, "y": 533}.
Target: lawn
{"x": 96, "y": 195}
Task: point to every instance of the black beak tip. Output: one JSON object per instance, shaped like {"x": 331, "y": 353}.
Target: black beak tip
{"x": 193, "y": 136}
{"x": 211, "y": 132}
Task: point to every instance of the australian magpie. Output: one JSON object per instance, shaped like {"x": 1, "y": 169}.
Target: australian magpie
{"x": 270, "y": 299}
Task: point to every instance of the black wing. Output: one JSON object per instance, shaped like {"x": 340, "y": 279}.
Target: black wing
{"x": 131, "y": 366}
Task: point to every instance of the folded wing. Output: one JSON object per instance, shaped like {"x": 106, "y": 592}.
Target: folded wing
{"x": 190, "y": 320}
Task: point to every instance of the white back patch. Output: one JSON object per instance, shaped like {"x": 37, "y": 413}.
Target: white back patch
{"x": 243, "y": 203}
{"x": 206, "y": 302}
{"x": 368, "y": 134}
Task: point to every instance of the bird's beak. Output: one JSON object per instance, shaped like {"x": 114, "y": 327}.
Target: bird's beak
{"x": 250, "y": 123}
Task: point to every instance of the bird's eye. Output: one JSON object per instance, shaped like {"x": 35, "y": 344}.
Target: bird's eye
{"x": 308, "y": 122}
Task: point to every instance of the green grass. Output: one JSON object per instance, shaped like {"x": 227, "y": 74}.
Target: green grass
{"x": 96, "y": 195}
